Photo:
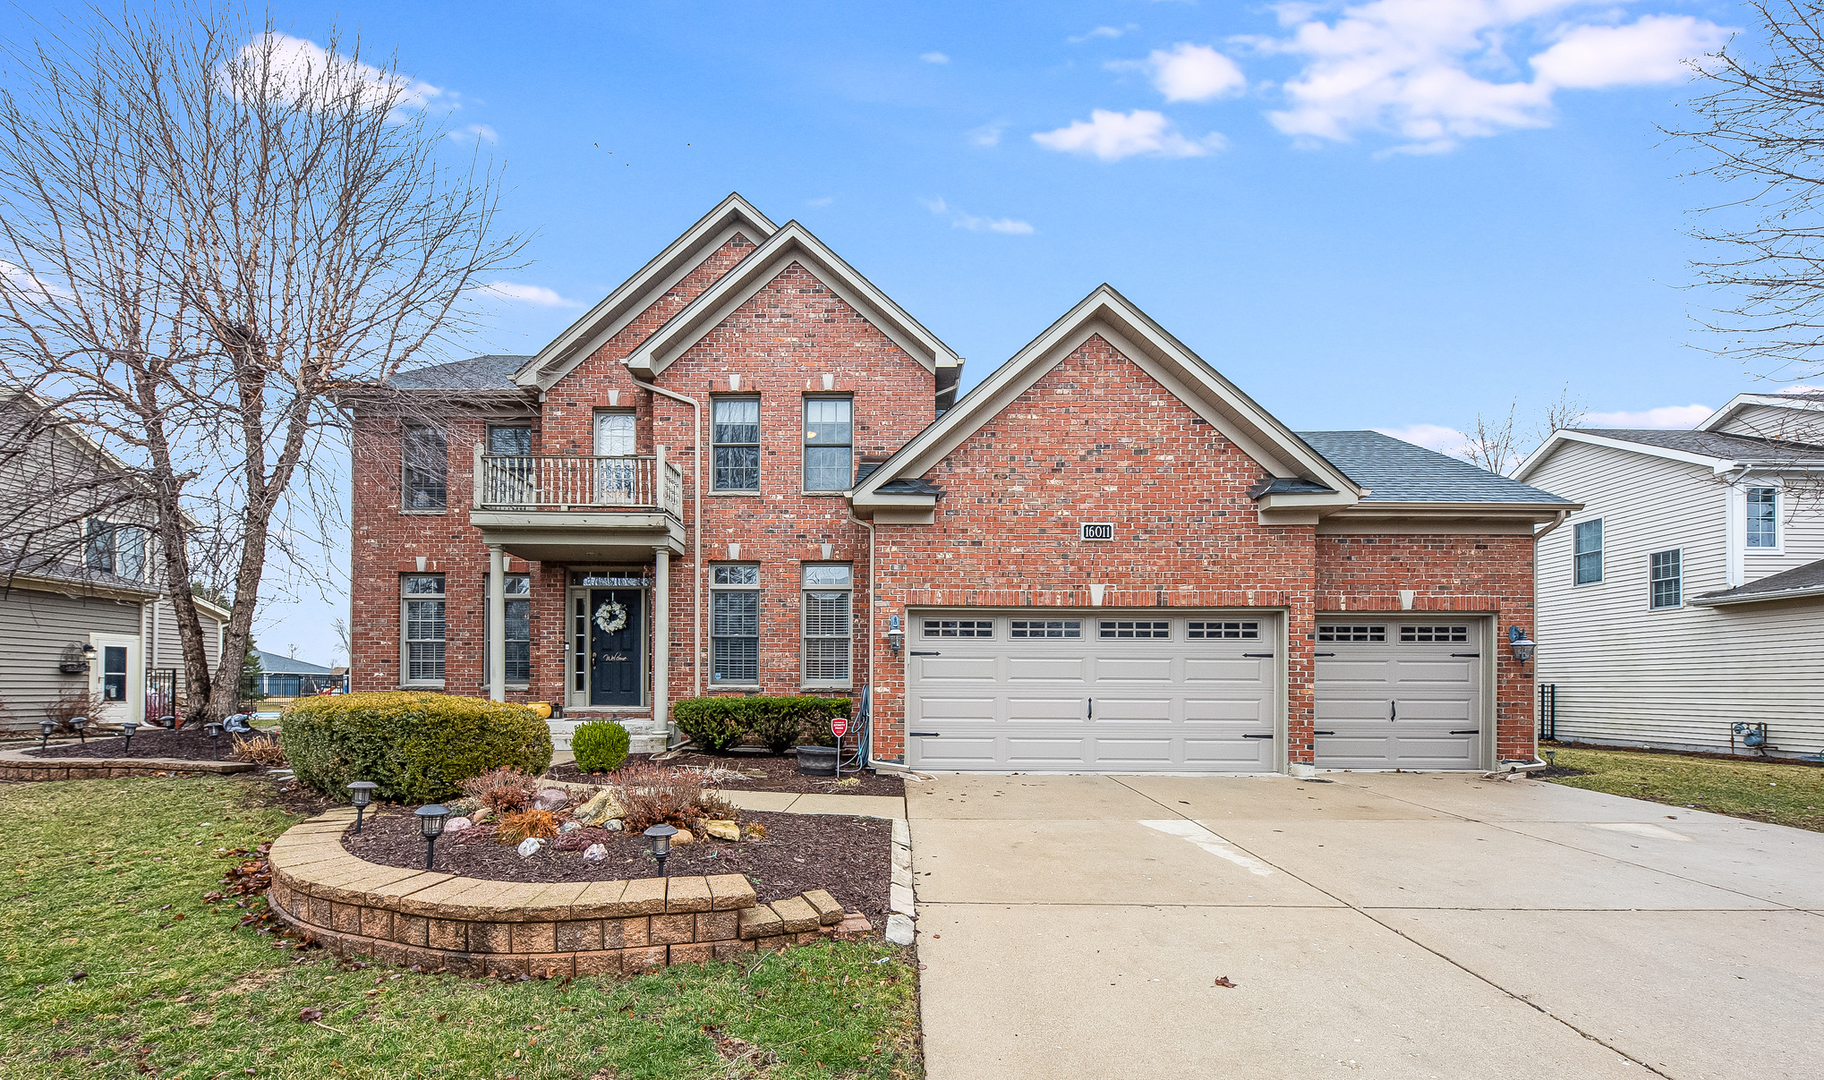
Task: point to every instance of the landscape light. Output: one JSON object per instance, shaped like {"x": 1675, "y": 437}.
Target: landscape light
{"x": 79, "y": 723}
{"x": 661, "y": 835}
{"x": 214, "y": 731}
{"x": 127, "y": 728}
{"x": 45, "y": 727}
{"x": 361, "y": 792}
{"x": 430, "y": 823}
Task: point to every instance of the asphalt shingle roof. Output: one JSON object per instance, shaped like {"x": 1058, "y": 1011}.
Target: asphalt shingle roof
{"x": 275, "y": 664}
{"x": 1798, "y": 579}
{"x": 1718, "y": 444}
{"x": 1396, "y": 471}
{"x": 492, "y": 372}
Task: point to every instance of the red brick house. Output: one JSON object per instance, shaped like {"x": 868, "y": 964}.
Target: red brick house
{"x": 744, "y": 472}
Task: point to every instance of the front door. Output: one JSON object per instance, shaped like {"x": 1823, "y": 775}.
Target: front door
{"x": 116, "y": 678}
{"x": 616, "y": 644}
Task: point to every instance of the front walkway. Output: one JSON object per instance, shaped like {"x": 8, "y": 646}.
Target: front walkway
{"x": 1383, "y": 925}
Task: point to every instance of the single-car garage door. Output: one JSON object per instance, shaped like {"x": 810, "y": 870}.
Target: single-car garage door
{"x": 1091, "y": 692}
{"x": 1398, "y": 694}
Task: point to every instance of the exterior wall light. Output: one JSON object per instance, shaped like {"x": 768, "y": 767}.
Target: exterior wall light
{"x": 214, "y": 731}
{"x": 361, "y": 792}
{"x": 127, "y": 728}
{"x": 74, "y": 659}
{"x": 661, "y": 835}
{"x": 430, "y": 824}
{"x": 1523, "y": 646}
{"x": 895, "y": 635}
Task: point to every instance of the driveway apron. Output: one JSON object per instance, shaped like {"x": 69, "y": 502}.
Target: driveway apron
{"x": 1378, "y": 925}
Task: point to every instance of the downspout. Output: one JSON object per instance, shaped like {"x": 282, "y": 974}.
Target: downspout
{"x": 696, "y": 532}
{"x": 867, "y": 748}
{"x": 1557, "y": 521}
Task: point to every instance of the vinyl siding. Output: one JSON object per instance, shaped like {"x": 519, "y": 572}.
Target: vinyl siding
{"x": 1673, "y": 677}
{"x": 1773, "y": 422}
{"x": 34, "y": 628}
{"x": 168, "y": 650}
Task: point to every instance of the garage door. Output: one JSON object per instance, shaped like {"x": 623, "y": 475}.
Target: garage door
{"x": 1396, "y": 694}
{"x": 1088, "y": 692}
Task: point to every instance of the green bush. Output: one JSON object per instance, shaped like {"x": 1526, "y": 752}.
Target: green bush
{"x": 417, "y": 747}
{"x": 599, "y": 747}
{"x": 717, "y": 723}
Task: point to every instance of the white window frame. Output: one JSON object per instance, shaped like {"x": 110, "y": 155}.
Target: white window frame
{"x": 1680, "y": 580}
{"x": 724, "y": 588}
{"x": 1602, "y": 540}
{"x": 406, "y": 600}
{"x": 805, "y": 637}
{"x": 523, "y": 584}
{"x": 805, "y": 446}
{"x": 1778, "y": 547}
{"x": 759, "y": 445}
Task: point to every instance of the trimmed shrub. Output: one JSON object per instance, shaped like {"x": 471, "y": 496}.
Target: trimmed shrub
{"x": 600, "y": 747}
{"x": 717, "y": 723}
{"x": 417, "y": 747}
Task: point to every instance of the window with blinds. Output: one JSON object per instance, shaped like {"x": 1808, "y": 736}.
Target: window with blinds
{"x": 734, "y": 643}
{"x": 828, "y": 624}
{"x": 421, "y": 603}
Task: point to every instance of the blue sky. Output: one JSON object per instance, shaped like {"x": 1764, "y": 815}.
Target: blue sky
{"x": 1386, "y": 215}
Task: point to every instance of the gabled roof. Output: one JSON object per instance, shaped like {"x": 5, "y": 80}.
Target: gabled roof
{"x": 1715, "y": 450}
{"x": 1163, "y": 357}
{"x": 1794, "y": 584}
{"x": 570, "y": 348}
{"x": 793, "y": 243}
{"x": 1399, "y": 472}
{"x": 275, "y": 664}
{"x": 1796, "y": 400}
{"x": 492, "y": 372}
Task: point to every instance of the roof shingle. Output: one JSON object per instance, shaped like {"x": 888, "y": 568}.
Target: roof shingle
{"x": 491, "y": 372}
{"x": 1395, "y": 471}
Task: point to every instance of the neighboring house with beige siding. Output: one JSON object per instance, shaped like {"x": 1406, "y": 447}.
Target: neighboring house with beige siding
{"x": 81, "y": 603}
{"x": 1687, "y": 595}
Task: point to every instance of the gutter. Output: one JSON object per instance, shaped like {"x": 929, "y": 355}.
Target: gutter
{"x": 696, "y": 538}
{"x": 1756, "y": 598}
{"x": 1557, "y": 521}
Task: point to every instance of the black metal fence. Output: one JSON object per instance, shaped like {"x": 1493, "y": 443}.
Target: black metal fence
{"x": 161, "y": 694}
{"x": 1548, "y": 710}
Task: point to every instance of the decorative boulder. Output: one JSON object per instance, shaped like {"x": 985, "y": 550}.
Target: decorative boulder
{"x": 457, "y": 824}
{"x": 722, "y": 830}
{"x": 530, "y": 846}
{"x": 601, "y": 808}
{"x": 614, "y": 824}
{"x": 683, "y": 837}
{"x": 550, "y": 799}
{"x": 569, "y": 826}
{"x": 596, "y": 853}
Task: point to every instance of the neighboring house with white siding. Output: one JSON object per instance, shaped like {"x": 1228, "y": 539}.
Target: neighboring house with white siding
{"x": 81, "y": 604}
{"x": 1687, "y": 595}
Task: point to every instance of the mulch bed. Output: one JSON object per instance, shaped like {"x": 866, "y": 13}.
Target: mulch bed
{"x": 1553, "y": 772}
{"x": 184, "y": 744}
{"x": 851, "y": 857}
{"x": 763, "y": 772}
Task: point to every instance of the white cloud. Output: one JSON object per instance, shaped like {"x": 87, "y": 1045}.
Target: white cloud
{"x": 27, "y": 288}
{"x": 1110, "y": 32}
{"x": 934, "y": 58}
{"x": 1445, "y": 440}
{"x": 821, "y": 200}
{"x": 962, "y": 220}
{"x": 1666, "y": 416}
{"x": 1112, "y": 136}
{"x": 1189, "y": 72}
{"x": 1436, "y": 72}
{"x": 536, "y": 295}
{"x": 295, "y": 67}
{"x": 1652, "y": 50}
{"x": 986, "y": 135}
{"x": 474, "y": 132}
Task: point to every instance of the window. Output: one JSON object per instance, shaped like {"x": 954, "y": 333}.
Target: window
{"x": 1041, "y": 628}
{"x": 1204, "y": 630}
{"x": 736, "y": 439}
{"x": 734, "y": 644}
{"x": 1586, "y": 549}
{"x": 115, "y": 549}
{"x": 1665, "y": 579}
{"x": 1457, "y": 635}
{"x": 427, "y": 465}
{"x": 510, "y": 441}
{"x": 1366, "y": 634}
{"x": 828, "y": 635}
{"x": 828, "y": 450}
{"x": 1131, "y": 628}
{"x": 1763, "y": 517}
{"x": 114, "y": 672}
{"x": 519, "y": 630}
{"x": 423, "y": 603}
{"x": 975, "y": 628}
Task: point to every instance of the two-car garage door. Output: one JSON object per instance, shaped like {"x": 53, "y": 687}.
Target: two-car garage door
{"x": 1183, "y": 693}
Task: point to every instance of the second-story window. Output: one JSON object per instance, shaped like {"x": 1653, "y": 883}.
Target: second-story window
{"x": 736, "y": 439}
{"x": 510, "y": 441}
{"x": 110, "y": 548}
{"x": 828, "y": 444}
{"x": 426, "y": 465}
{"x": 1586, "y": 548}
{"x": 1665, "y": 579}
{"x": 1763, "y": 517}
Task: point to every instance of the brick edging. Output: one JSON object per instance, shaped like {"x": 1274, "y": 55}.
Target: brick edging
{"x": 436, "y": 920}
{"x": 18, "y": 765}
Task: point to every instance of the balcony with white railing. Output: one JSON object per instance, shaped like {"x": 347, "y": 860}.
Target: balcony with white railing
{"x": 579, "y": 507}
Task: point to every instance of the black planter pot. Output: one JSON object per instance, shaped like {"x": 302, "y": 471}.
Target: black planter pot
{"x": 817, "y": 760}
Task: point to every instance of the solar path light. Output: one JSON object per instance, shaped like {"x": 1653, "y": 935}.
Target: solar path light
{"x": 361, "y": 792}
{"x": 661, "y": 835}
{"x": 430, "y": 823}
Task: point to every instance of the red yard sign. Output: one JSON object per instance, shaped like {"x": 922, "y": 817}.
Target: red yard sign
{"x": 839, "y": 726}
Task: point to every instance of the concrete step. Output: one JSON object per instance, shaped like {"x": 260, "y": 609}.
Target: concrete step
{"x": 645, "y": 737}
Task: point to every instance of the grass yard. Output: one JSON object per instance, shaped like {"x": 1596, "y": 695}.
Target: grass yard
{"x": 107, "y": 877}
{"x": 1762, "y": 791}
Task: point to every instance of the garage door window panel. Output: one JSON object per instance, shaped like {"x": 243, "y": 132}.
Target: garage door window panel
{"x": 1424, "y": 634}
{"x": 1205, "y": 630}
{"x": 959, "y": 628}
{"x": 828, "y": 625}
{"x": 1041, "y": 628}
{"x": 1359, "y": 634}
{"x": 1130, "y": 629}
{"x": 735, "y": 625}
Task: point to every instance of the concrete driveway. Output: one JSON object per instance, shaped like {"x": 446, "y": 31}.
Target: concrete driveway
{"x": 1380, "y": 925}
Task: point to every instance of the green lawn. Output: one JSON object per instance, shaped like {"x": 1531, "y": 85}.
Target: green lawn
{"x": 107, "y": 877}
{"x": 1762, "y": 790}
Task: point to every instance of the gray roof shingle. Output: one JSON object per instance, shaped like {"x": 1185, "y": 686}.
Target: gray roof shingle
{"x": 1745, "y": 448}
{"x": 1396, "y": 471}
{"x": 1804, "y": 580}
{"x": 491, "y": 372}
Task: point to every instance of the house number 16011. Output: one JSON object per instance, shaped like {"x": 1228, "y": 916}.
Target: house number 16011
{"x": 1097, "y": 531}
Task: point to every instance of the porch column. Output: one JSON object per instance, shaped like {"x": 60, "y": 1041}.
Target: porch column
{"x": 497, "y": 624}
{"x": 661, "y": 640}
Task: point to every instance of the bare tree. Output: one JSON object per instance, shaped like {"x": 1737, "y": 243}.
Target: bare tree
{"x": 207, "y": 229}
{"x": 1498, "y": 443}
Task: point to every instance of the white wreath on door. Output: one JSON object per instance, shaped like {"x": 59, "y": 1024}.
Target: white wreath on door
{"x": 610, "y": 616}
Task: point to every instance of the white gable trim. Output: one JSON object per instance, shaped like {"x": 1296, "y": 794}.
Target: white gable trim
{"x": 1773, "y": 401}
{"x": 627, "y": 302}
{"x": 1106, "y": 312}
{"x": 1560, "y": 437}
{"x": 792, "y": 243}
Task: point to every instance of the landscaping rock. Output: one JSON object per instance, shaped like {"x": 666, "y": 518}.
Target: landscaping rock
{"x": 550, "y": 799}
{"x": 530, "y": 846}
{"x": 596, "y": 853}
{"x": 464, "y": 805}
{"x": 600, "y": 809}
{"x": 900, "y": 930}
{"x": 613, "y": 824}
{"x": 569, "y": 826}
{"x": 457, "y": 824}
{"x": 722, "y": 830}
{"x": 683, "y": 837}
